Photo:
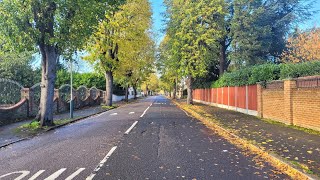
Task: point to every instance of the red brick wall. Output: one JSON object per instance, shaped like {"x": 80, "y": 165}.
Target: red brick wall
{"x": 273, "y": 104}
{"x": 306, "y": 107}
{"x": 292, "y": 101}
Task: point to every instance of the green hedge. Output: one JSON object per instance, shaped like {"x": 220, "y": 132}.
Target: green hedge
{"x": 267, "y": 72}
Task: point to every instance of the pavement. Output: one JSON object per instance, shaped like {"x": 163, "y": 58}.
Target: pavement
{"x": 8, "y": 132}
{"x": 148, "y": 139}
{"x": 298, "y": 147}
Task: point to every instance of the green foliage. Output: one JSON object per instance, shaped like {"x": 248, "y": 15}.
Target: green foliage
{"x": 64, "y": 24}
{"x": 193, "y": 28}
{"x": 86, "y": 79}
{"x": 79, "y": 79}
{"x": 33, "y": 125}
{"x": 108, "y": 107}
{"x": 259, "y": 28}
{"x": 18, "y": 67}
{"x": 300, "y": 69}
{"x": 267, "y": 72}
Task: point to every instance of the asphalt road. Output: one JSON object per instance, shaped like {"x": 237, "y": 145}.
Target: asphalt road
{"x": 150, "y": 139}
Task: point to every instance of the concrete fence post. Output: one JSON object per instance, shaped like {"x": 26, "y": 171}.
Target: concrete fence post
{"x": 260, "y": 100}
{"x": 289, "y": 85}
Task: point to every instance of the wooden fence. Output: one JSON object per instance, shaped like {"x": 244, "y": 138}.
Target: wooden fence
{"x": 242, "y": 98}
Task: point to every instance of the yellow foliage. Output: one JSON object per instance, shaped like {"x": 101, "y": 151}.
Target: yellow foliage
{"x": 303, "y": 47}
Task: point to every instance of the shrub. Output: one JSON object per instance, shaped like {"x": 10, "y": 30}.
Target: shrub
{"x": 299, "y": 69}
{"x": 266, "y": 73}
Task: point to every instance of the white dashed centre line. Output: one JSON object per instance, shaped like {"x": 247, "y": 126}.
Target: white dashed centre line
{"x": 145, "y": 110}
{"x": 132, "y": 126}
{"x": 113, "y": 114}
{"x": 131, "y": 112}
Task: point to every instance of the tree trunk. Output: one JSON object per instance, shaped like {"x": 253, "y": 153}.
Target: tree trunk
{"x": 134, "y": 92}
{"x": 49, "y": 61}
{"x": 189, "y": 89}
{"x": 175, "y": 89}
{"x": 109, "y": 88}
{"x": 126, "y": 98}
{"x": 147, "y": 91}
{"x": 222, "y": 59}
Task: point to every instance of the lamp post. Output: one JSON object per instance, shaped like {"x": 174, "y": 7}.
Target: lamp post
{"x": 71, "y": 87}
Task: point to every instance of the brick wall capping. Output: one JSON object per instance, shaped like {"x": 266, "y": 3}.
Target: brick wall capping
{"x": 307, "y": 77}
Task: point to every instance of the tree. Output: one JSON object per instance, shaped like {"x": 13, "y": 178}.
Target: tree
{"x": 18, "y": 67}
{"x": 136, "y": 56}
{"x": 168, "y": 66}
{"x": 303, "y": 46}
{"x": 151, "y": 84}
{"x": 55, "y": 28}
{"x": 194, "y": 26}
{"x": 259, "y": 28}
{"x": 118, "y": 44}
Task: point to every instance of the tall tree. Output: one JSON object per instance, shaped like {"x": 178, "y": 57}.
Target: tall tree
{"x": 260, "y": 28}
{"x": 136, "y": 56}
{"x": 168, "y": 66}
{"x": 193, "y": 26}
{"x": 303, "y": 46}
{"x": 56, "y": 28}
{"x": 119, "y": 39}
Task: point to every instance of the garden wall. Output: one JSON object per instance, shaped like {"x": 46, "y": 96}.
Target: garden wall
{"x": 295, "y": 101}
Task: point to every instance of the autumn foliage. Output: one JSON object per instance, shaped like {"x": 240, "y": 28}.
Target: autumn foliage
{"x": 303, "y": 46}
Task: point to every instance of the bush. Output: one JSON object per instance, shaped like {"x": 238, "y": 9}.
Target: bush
{"x": 300, "y": 70}
{"x": 266, "y": 73}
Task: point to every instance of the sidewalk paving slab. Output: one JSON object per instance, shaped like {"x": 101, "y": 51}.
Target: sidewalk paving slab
{"x": 300, "y": 148}
{"x": 8, "y": 134}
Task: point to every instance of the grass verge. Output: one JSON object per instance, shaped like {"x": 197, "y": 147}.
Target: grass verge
{"x": 306, "y": 130}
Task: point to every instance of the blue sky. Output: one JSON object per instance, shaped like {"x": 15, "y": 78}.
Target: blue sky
{"x": 157, "y": 8}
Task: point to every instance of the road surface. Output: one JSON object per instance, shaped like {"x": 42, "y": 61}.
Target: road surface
{"x": 149, "y": 139}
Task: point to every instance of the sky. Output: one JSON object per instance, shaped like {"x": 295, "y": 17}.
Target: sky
{"x": 157, "y": 9}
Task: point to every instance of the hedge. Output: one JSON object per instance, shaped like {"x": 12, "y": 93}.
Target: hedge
{"x": 267, "y": 72}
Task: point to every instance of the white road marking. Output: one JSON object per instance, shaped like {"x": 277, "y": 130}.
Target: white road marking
{"x": 23, "y": 174}
{"x": 37, "y": 175}
{"x": 91, "y": 176}
{"x": 100, "y": 114}
{"x": 113, "y": 114}
{"x": 131, "y": 112}
{"x": 56, "y": 174}
{"x": 145, "y": 110}
{"x": 75, "y": 174}
{"x": 132, "y": 126}
{"x": 104, "y": 160}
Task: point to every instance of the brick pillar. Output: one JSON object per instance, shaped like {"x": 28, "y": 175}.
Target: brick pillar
{"x": 56, "y": 97}
{"x": 101, "y": 97}
{"x": 25, "y": 93}
{"x": 260, "y": 100}
{"x": 289, "y": 85}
